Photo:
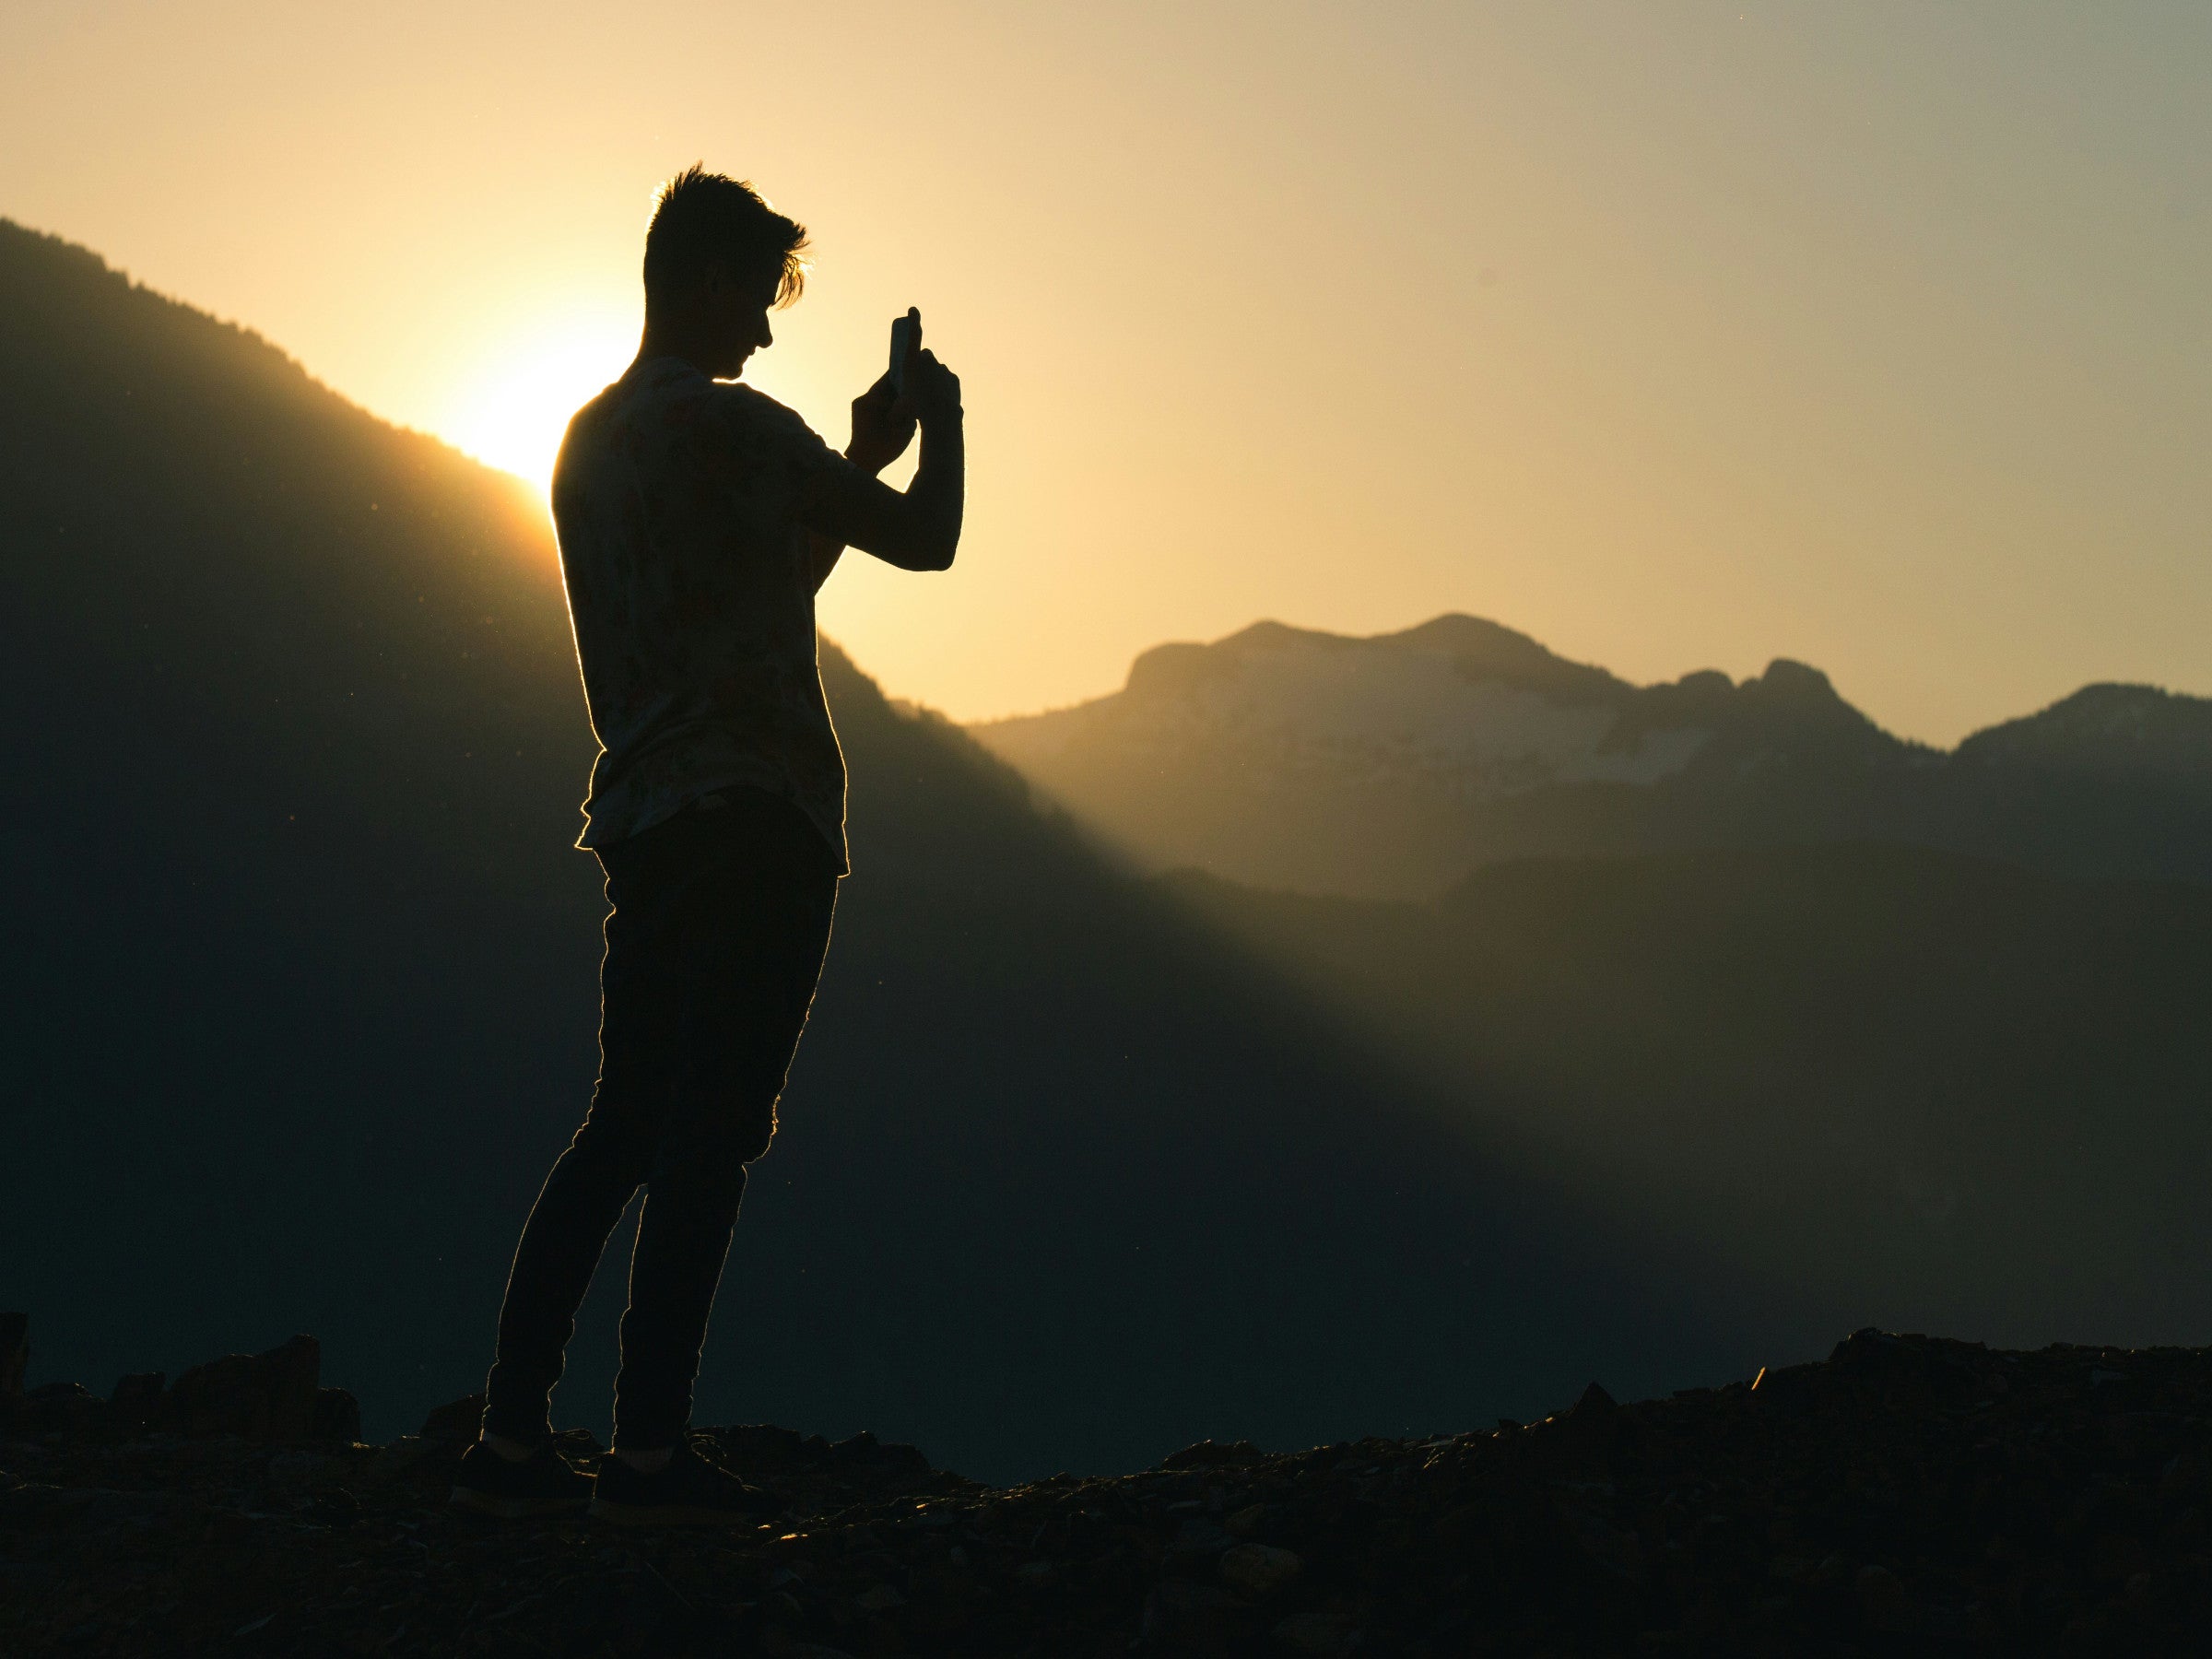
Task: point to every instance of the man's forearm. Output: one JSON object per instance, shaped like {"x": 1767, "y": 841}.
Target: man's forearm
{"x": 917, "y": 528}
{"x": 938, "y": 493}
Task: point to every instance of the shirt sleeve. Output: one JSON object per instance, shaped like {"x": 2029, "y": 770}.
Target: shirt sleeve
{"x": 773, "y": 440}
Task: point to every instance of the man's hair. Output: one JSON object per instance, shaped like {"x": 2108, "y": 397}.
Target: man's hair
{"x": 700, "y": 217}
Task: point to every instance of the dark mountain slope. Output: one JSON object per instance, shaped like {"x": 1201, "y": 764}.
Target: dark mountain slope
{"x": 1391, "y": 767}
{"x": 1943, "y": 1090}
{"x": 299, "y": 997}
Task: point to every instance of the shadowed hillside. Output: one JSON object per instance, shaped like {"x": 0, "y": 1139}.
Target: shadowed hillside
{"x": 1944, "y": 1090}
{"x": 299, "y": 997}
{"x": 1391, "y": 767}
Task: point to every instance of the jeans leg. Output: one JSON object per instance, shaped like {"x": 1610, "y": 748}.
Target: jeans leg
{"x": 590, "y": 1184}
{"x": 761, "y": 925}
{"x": 561, "y": 1243}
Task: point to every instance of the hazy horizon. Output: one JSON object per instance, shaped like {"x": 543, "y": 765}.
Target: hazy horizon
{"x": 1673, "y": 340}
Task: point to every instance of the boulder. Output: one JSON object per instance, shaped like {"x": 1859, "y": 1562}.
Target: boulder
{"x": 64, "y": 1407}
{"x": 137, "y": 1399}
{"x": 337, "y": 1416}
{"x": 460, "y": 1419}
{"x": 270, "y": 1395}
{"x": 1259, "y": 1570}
{"x": 1213, "y": 1454}
{"x": 1322, "y": 1634}
{"x": 1181, "y": 1616}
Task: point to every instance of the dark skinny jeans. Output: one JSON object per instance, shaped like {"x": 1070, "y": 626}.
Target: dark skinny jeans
{"x": 719, "y": 919}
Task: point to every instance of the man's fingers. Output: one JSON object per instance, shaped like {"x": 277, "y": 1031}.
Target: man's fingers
{"x": 937, "y": 371}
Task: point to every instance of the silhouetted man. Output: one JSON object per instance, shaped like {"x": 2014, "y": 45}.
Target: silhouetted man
{"x": 697, "y": 518}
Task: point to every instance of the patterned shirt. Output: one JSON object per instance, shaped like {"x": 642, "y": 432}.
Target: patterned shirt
{"x": 691, "y": 593}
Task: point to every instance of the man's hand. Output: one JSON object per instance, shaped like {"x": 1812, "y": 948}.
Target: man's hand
{"x": 933, "y": 390}
{"x": 884, "y": 425}
{"x": 882, "y": 428}
{"x": 918, "y": 529}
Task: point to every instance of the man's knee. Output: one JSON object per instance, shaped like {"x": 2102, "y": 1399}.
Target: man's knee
{"x": 750, "y": 1134}
{"x": 618, "y": 1144}
{"x": 713, "y": 1143}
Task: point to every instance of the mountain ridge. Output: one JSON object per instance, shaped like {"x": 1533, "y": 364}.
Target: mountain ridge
{"x": 1392, "y": 765}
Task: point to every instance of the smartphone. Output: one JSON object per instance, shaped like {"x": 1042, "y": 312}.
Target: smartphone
{"x": 902, "y": 341}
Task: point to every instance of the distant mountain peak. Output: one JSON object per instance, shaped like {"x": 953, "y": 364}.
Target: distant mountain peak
{"x": 1787, "y": 677}
{"x": 2106, "y": 727}
{"x": 1478, "y": 650}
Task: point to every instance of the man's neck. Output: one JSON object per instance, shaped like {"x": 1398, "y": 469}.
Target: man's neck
{"x": 667, "y": 342}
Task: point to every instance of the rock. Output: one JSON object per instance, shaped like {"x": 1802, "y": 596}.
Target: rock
{"x": 776, "y": 1645}
{"x": 759, "y": 1446}
{"x": 1888, "y": 1361}
{"x": 63, "y": 1407}
{"x": 460, "y": 1419}
{"x": 1034, "y": 1576}
{"x": 1593, "y": 1423}
{"x": 15, "y": 1351}
{"x": 336, "y": 1507}
{"x": 337, "y": 1416}
{"x": 1320, "y": 1635}
{"x": 1881, "y": 1596}
{"x": 1616, "y": 1550}
{"x": 864, "y": 1451}
{"x": 1185, "y": 1618}
{"x": 1247, "y": 1520}
{"x": 270, "y": 1395}
{"x": 1259, "y": 1570}
{"x": 1592, "y": 1404}
{"x": 878, "y": 1598}
{"x": 1197, "y": 1543}
{"x": 137, "y": 1398}
{"x": 1212, "y": 1454}
{"x": 411, "y": 1455}
{"x": 294, "y": 1471}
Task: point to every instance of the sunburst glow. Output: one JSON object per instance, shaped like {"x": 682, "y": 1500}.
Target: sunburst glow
{"x": 513, "y": 413}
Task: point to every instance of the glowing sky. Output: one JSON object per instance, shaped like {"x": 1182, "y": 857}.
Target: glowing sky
{"x": 1875, "y": 334}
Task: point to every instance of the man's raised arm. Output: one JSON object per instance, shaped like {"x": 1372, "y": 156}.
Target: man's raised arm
{"x": 916, "y": 530}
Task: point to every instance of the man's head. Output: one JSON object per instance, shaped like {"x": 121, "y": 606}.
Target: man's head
{"x": 718, "y": 259}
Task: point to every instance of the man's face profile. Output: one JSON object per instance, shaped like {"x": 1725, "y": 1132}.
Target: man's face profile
{"x": 731, "y": 316}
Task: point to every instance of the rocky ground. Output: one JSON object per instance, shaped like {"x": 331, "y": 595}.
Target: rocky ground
{"x": 1906, "y": 1496}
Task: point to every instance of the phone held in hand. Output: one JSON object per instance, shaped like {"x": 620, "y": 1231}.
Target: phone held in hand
{"x": 902, "y": 343}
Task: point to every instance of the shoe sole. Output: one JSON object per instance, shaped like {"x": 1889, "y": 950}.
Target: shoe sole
{"x": 673, "y": 1514}
{"x": 514, "y": 1509}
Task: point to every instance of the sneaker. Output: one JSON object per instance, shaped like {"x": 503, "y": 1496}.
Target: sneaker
{"x": 541, "y": 1484}
{"x": 689, "y": 1491}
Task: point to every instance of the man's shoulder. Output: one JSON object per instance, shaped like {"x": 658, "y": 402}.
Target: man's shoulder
{"x": 670, "y": 386}
{"x": 665, "y": 414}
{"x": 742, "y": 404}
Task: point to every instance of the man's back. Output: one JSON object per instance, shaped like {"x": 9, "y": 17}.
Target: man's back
{"x": 676, "y": 499}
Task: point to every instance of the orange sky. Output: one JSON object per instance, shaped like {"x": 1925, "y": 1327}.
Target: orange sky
{"x": 1675, "y": 335}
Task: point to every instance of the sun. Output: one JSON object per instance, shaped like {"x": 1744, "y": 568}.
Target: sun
{"x": 512, "y": 411}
